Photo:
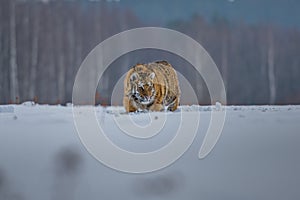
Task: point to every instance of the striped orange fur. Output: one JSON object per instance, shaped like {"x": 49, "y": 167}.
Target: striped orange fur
{"x": 153, "y": 86}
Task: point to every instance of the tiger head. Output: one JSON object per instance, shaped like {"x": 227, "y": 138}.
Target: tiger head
{"x": 142, "y": 89}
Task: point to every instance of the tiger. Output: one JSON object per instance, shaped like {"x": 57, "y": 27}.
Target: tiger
{"x": 151, "y": 87}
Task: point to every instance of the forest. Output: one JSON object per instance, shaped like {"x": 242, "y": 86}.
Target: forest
{"x": 43, "y": 43}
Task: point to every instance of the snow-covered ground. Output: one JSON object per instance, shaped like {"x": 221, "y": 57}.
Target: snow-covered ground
{"x": 256, "y": 157}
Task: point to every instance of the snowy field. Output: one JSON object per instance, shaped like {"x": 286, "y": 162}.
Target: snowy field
{"x": 256, "y": 157}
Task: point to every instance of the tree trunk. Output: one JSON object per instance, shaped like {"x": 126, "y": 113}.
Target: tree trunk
{"x": 34, "y": 54}
{"x": 271, "y": 70}
{"x": 70, "y": 63}
{"x": 14, "y": 87}
{"x": 61, "y": 54}
{"x": 1, "y": 60}
{"x": 224, "y": 58}
{"x": 61, "y": 77}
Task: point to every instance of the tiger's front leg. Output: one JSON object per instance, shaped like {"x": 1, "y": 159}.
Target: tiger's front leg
{"x": 174, "y": 105}
{"x": 128, "y": 104}
{"x": 156, "y": 107}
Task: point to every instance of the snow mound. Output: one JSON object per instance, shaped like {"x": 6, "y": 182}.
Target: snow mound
{"x": 28, "y": 103}
{"x": 7, "y": 109}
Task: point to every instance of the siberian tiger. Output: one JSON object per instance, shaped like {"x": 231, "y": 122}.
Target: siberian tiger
{"x": 153, "y": 86}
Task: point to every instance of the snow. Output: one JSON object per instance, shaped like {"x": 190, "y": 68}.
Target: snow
{"x": 7, "y": 109}
{"x": 257, "y": 156}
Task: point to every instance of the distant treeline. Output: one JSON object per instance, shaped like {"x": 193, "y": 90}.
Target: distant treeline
{"x": 260, "y": 64}
{"x": 42, "y": 45}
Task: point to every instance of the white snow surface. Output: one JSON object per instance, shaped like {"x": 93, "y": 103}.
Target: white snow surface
{"x": 256, "y": 157}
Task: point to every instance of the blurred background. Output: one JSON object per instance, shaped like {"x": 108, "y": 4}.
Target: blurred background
{"x": 254, "y": 43}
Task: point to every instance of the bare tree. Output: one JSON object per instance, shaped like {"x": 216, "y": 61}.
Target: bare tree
{"x": 59, "y": 50}
{"x": 271, "y": 70}
{"x": 1, "y": 58}
{"x": 34, "y": 52}
{"x": 14, "y": 85}
{"x": 70, "y": 58}
{"x": 224, "y": 55}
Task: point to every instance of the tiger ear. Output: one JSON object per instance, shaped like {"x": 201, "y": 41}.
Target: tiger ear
{"x": 133, "y": 76}
{"x": 152, "y": 75}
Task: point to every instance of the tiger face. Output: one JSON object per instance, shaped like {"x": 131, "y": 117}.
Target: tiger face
{"x": 143, "y": 90}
